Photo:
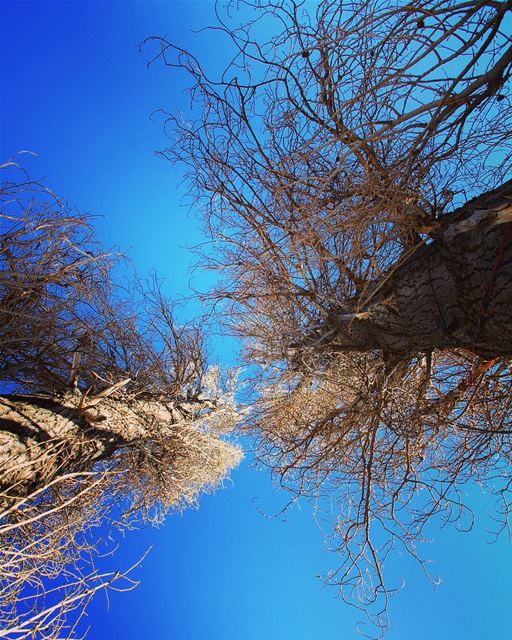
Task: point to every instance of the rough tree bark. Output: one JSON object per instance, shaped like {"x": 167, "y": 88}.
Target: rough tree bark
{"x": 42, "y": 437}
{"x": 454, "y": 291}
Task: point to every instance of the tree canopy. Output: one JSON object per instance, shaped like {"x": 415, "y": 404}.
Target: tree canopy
{"x": 109, "y": 412}
{"x": 351, "y": 170}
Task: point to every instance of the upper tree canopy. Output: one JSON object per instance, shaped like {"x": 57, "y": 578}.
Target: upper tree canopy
{"x": 336, "y": 164}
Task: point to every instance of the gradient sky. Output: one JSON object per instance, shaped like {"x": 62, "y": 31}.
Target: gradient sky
{"x": 76, "y": 91}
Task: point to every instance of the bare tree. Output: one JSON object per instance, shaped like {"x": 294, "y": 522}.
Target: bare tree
{"x": 108, "y": 411}
{"x": 351, "y": 170}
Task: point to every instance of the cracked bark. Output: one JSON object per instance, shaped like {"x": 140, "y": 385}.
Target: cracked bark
{"x": 42, "y": 437}
{"x": 454, "y": 292}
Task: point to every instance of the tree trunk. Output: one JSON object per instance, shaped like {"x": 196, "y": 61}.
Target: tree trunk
{"x": 455, "y": 291}
{"x": 42, "y": 437}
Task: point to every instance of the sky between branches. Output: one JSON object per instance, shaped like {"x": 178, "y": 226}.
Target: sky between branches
{"x": 76, "y": 91}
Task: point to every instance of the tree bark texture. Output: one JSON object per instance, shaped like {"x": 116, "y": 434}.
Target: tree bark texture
{"x": 454, "y": 291}
{"x": 42, "y": 437}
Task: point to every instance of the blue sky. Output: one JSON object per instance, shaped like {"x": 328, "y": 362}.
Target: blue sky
{"x": 76, "y": 91}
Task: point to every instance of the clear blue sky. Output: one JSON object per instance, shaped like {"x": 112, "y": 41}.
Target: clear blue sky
{"x": 76, "y": 91}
